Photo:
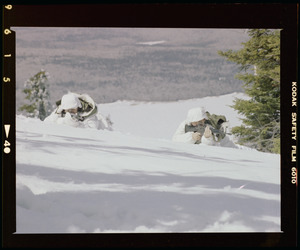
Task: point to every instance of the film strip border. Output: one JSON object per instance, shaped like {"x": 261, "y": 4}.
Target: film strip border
{"x": 8, "y": 122}
{"x": 8, "y": 80}
{"x": 276, "y": 16}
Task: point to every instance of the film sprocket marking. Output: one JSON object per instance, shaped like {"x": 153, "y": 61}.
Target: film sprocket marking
{"x": 6, "y": 80}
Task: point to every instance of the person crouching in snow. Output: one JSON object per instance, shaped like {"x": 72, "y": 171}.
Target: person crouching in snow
{"x": 77, "y": 111}
{"x": 202, "y": 127}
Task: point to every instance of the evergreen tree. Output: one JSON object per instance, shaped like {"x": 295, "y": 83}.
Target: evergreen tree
{"x": 259, "y": 61}
{"x": 36, "y": 90}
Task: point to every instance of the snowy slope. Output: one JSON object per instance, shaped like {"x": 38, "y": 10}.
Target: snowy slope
{"x": 160, "y": 120}
{"x": 135, "y": 179}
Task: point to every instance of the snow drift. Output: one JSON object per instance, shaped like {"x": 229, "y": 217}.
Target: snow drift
{"x": 135, "y": 179}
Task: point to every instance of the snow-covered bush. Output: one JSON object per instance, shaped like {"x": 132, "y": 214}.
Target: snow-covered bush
{"x": 36, "y": 90}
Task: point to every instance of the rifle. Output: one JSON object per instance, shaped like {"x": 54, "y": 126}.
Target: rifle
{"x": 218, "y": 134}
{"x": 76, "y": 116}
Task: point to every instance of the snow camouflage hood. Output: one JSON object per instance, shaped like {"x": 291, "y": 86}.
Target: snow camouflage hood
{"x": 70, "y": 101}
{"x": 87, "y": 106}
{"x": 196, "y": 114}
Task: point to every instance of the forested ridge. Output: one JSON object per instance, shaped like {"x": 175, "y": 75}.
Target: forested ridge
{"x": 123, "y": 64}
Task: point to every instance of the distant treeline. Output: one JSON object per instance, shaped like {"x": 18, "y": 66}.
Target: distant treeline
{"x": 157, "y": 75}
{"x": 125, "y": 69}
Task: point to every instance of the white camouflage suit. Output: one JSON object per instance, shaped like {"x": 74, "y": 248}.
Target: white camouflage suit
{"x": 87, "y": 116}
{"x": 194, "y": 115}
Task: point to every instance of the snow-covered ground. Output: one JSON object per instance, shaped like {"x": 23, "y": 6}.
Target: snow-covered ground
{"x": 135, "y": 179}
